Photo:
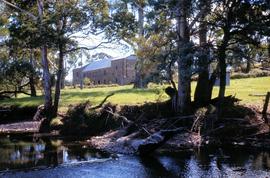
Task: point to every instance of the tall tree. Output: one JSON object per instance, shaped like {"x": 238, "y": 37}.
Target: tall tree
{"x": 203, "y": 90}
{"x": 45, "y": 64}
{"x": 128, "y": 24}
{"x": 184, "y": 49}
{"x": 237, "y": 21}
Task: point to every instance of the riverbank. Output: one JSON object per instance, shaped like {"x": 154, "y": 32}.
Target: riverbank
{"x": 154, "y": 127}
{"x": 240, "y": 125}
{"x": 149, "y": 112}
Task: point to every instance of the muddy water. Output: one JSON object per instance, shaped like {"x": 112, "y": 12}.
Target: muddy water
{"x": 30, "y": 156}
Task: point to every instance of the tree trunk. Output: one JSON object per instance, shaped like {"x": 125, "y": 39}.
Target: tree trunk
{"x": 45, "y": 67}
{"x": 203, "y": 91}
{"x": 222, "y": 68}
{"x": 138, "y": 78}
{"x": 63, "y": 79}
{"x": 46, "y": 81}
{"x": 15, "y": 92}
{"x": 139, "y": 81}
{"x": 268, "y": 48}
{"x": 248, "y": 65}
{"x": 265, "y": 106}
{"x": 184, "y": 61}
{"x": 59, "y": 78}
{"x": 31, "y": 78}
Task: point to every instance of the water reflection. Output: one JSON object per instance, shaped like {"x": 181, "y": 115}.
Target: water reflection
{"x": 34, "y": 152}
{"x": 19, "y": 153}
{"x": 217, "y": 162}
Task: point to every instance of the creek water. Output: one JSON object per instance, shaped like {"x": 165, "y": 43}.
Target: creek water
{"x": 35, "y": 156}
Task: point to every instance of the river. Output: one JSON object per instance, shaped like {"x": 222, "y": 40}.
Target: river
{"x": 35, "y": 156}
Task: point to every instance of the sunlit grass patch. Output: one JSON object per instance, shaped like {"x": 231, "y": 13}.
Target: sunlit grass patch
{"x": 245, "y": 89}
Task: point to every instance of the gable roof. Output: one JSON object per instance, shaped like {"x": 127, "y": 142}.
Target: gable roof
{"x": 100, "y": 64}
{"x": 104, "y": 63}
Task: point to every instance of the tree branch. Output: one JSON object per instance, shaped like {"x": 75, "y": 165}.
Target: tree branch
{"x": 104, "y": 100}
{"x": 20, "y": 9}
{"x": 86, "y": 48}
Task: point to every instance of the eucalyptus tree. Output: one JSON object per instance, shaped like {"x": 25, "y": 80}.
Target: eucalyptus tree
{"x": 203, "y": 90}
{"x": 237, "y": 21}
{"x": 67, "y": 18}
{"x": 14, "y": 77}
{"x": 52, "y": 24}
{"x": 30, "y": 14}
{"x": 181, "y": 11}
{"x": 128, "y": 24}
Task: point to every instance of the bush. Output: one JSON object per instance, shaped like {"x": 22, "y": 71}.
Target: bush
{"x": 252, "y": 74}
{"x": 102, "y": 86}
{"x": 87, "y": 81}
{"x": 56, "y": 122}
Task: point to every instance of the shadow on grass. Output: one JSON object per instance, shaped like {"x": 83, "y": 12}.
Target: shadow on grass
{"x": 24, "y": 101}
{"x": 68, "y": 95}
{"x": 81, "y": 95}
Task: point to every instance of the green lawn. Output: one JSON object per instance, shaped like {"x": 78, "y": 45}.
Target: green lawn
{"x": 242, "y": 88}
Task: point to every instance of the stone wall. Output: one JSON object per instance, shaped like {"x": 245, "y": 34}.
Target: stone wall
{"x": 122, "y": 72}
{"x": 77, "y": 76}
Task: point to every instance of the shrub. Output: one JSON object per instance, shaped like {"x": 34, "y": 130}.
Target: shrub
{"x": 55, "y": 122}
{"x": 252, "y": 74}
{"x": 87, "y": 81}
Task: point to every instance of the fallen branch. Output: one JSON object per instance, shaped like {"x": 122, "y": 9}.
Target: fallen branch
{"x": 154, "y": 141}
{"x": 119, "y": 116}
{"x": 38, "y": 115}
{"x": 102, "y": 102}
{"x": 13, "y": 92}
{"x": 256, "y": 95}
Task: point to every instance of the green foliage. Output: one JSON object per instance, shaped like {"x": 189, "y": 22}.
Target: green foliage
{"x": 15, "y": 74}
{"x": 252, "y": 74}
{"x": 87, "y": 81}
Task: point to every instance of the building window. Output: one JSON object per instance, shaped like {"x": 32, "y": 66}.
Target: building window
{"x": 99, "y": 82}
{"x": 116, "y": 67}
{"x": 116, "y": 80}
{"x": 104, "y": 72}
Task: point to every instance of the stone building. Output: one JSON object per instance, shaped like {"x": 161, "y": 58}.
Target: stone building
{"x": 107, "y": 71}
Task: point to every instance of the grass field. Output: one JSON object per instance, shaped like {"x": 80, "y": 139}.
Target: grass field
{"x": 241, "y": 88}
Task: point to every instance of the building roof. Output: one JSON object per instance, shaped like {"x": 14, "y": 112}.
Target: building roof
{"x": 104, "y": 63}
{"x": 100, "y": 64}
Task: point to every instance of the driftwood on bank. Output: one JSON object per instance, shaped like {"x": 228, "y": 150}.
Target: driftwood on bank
{"x": 39, "y": 113}
{"x": 154, "y": 141}
{"x": 123, "y": 118}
